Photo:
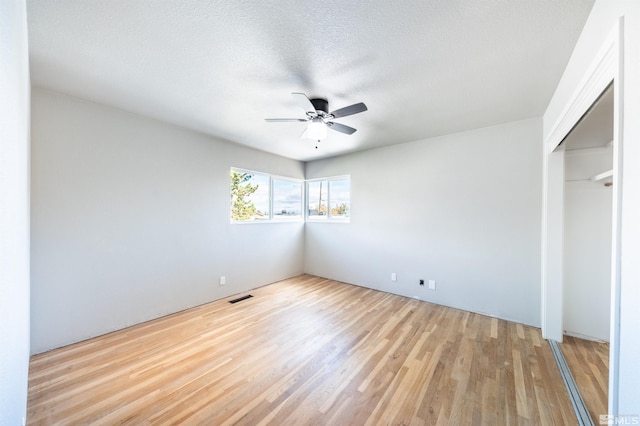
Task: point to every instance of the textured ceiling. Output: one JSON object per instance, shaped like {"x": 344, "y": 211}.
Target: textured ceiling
{"x": 424, "y": 68}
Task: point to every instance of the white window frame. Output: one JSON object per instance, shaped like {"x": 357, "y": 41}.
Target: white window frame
{"x": 272, "y": 218}
{"x": 328, "y": 218}
{"x": 279, "y": 218}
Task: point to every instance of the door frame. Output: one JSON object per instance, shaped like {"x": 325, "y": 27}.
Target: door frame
{"x": 606, "y": 69}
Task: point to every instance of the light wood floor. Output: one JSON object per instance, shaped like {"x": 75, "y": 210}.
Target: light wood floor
{"x": 305, "y": 351}
{"x": 589, "y": 365}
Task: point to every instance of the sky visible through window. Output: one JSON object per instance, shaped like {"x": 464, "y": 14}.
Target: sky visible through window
{"x": 337, "y": 192}
{"x": 287, "y": 198}
{"x": 262, "y": 197}
{"x": 340, "y": 193}
{"x": 317, "y": 197}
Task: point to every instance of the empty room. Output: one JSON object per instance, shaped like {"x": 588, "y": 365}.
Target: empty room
{"x": 335, "y": 213}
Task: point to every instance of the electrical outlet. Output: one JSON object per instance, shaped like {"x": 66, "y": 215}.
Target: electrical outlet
{"x": 432, "y": 284}
{"x": 223, "y": 280}
{"x": 394, "y": 277}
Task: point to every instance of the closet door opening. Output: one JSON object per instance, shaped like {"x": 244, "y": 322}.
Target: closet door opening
{"x": 587, "y": 251}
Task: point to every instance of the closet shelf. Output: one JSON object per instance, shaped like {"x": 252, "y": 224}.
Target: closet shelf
{"x": 602, "y": 175}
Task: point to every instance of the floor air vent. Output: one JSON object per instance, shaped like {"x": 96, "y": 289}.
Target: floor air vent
{"x": 240, "y": 299}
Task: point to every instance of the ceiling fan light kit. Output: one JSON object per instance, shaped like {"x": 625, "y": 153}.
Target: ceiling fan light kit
{"x": 317, "y": 130}
{"x": 320, "y": 119}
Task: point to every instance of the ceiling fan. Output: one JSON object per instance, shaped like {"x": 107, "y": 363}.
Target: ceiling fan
{"x": 319, "y": 118}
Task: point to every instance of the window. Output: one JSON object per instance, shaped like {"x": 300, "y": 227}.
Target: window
{"x": 317, "y": 199}
{"x": 329, "y": 199}
{"x": 287, "y": 199}
{"x": 259, "y": 197}
{"x": 340, "y": 192}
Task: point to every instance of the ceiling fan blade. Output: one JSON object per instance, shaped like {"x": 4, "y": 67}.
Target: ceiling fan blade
{"x": 304, "y": 102}
{"x": 284, "y": 120}
{"x": 341, "y": 128}
{"x": 349, "y": 110}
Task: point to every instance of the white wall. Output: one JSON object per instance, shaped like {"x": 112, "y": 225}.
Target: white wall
{"x": 552, "y": 245}
{"x": 463, "y": 209}
{"x": 587, "y": 259}
{"x": 14, "y": 212}
{"x": 587, "y": 243}
{"x": 130, "y": 221}
{"x": 603, "y": 17}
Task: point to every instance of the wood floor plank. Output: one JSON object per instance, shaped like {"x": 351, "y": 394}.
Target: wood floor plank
{"x": 306, "y": 350}
{"x": 589, "y": 364}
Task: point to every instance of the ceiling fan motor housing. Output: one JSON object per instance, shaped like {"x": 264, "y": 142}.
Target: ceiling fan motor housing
{"x": 320, "y": 104}
{"x": 320, "y": 119}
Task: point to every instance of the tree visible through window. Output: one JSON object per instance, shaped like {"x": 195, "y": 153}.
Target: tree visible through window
{"x": 340, "y": 196}
{"x": 317, "y": 199}
{"x": 242, "y": 208}
{"x": 259, "y": 197}
{"x": 249, "y": 196}
{"x": 329, "y": 199}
